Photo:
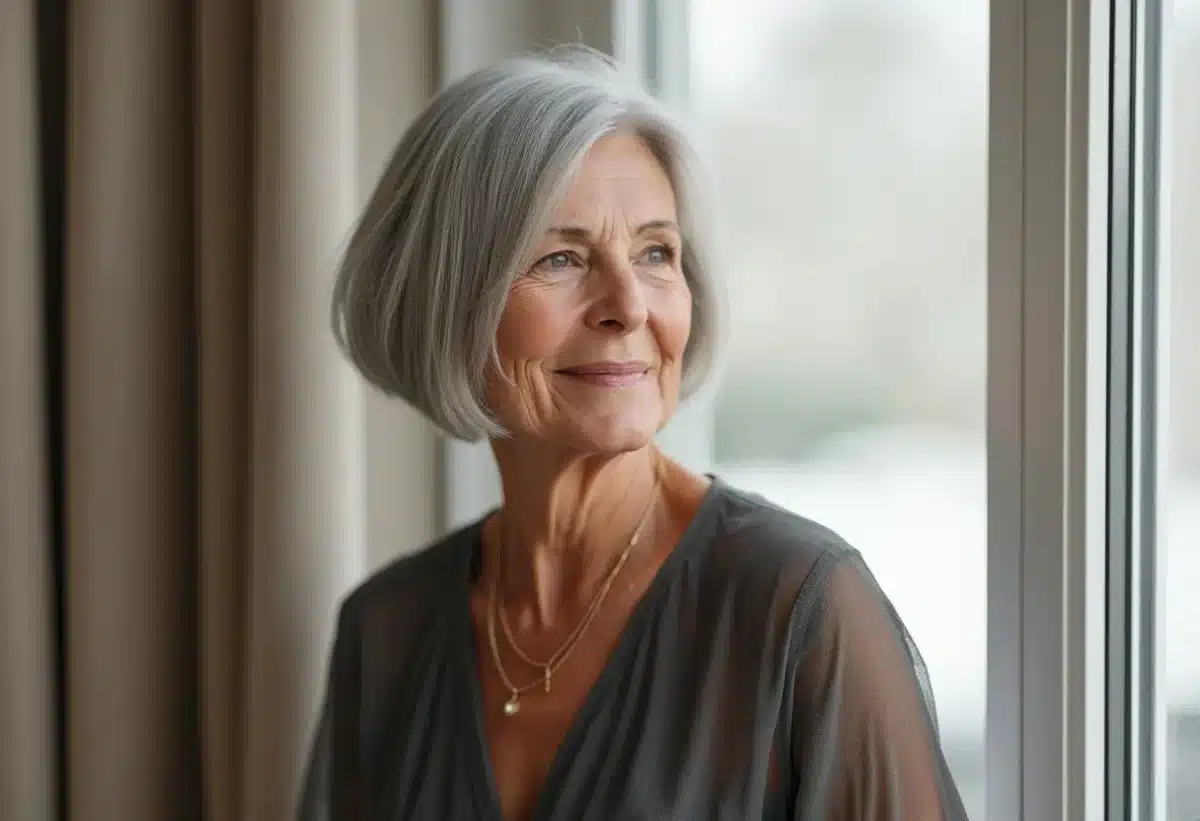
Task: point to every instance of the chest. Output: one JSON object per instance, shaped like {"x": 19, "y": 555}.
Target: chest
{"x": 634, "y": 724}
{"x": 523, "y": 748}
{"x": 676, "y": 718}
{"x": 532, "y": 721}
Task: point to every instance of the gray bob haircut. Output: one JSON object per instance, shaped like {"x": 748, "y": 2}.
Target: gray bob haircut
{"x": 466, "y": 195}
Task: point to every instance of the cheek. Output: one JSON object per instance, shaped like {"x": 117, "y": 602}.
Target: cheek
{"x": 675, "y": 324}
{"x": 532, "y": 327}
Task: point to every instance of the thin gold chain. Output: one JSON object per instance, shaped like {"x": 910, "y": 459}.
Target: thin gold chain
{"x": 569, "y": 643}
{"x": 564, "y": 651}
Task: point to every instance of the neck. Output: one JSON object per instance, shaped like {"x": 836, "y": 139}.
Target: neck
{"x": 564, "y": 523}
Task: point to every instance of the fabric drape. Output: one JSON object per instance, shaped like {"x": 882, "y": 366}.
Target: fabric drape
{"x": 164, "y": 656}
{"x": 27, "y": 671}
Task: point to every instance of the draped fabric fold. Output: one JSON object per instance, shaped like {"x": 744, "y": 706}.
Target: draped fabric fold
{"x": 307, "y": 447}
{"x": 130, "y": 430}
{"x": 224, "y": 155}
{"x": 214, "y": 454}
{"x": 27, "y": 677}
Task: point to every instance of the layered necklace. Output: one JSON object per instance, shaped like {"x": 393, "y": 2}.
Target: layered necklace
{"x": 495, "y": 611}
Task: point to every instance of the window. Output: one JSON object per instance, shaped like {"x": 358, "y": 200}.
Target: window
{"x": 1182, "y": 497}
{"x": 885, "y": 298}
{"x": 849, "y": 141}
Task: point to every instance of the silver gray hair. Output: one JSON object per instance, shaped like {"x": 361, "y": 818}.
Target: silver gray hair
{"x": 466, "y": 195}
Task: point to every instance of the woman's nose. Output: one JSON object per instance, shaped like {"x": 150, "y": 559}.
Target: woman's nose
{"x": 620, "y": 304}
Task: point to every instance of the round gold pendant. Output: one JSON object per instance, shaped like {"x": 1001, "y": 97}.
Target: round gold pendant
{"x": 512, "y": 706}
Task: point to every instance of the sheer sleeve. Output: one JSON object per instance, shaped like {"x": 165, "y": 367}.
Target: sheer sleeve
{"x": 864, "y": 733}
{"x": 332, "y": 788}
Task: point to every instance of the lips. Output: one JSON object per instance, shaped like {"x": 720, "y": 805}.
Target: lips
{"x": 608, "y": 374}
{"x": 608, "y": 369}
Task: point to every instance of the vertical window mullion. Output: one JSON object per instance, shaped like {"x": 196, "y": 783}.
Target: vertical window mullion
{"x": 1047, "y": 354}
{"x": 1120, "y": 621}
{"x": 1135, "y": 708}
{"x": 1134, "y": 726}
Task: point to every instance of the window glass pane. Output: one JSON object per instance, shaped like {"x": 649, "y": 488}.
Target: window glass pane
{"x": 849, "y": 138}
{"x": 1182, "y": 496}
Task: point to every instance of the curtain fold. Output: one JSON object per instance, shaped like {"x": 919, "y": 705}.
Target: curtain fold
{"x": 214, "y": 444}
{"x": 306, "y": 513}
{"x": 131, "y": 654}
{"x": 27, "y": 683}
{"x": 225, "y": 186}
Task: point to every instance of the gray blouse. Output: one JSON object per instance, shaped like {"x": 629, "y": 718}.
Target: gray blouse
{"x": 763, "y": 675}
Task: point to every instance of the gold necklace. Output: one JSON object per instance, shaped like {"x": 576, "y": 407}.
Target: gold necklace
{"x": 551, "y": 666}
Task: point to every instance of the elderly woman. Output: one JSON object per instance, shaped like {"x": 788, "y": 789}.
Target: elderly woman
{"x": 622, "y": 638}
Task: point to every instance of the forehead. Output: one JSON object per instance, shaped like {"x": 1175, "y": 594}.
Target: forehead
{"x": 619, "y": 172}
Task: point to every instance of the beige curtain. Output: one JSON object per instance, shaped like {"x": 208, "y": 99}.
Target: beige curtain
{"x": 27, "y": 671}
{"x": 218, "y": 491}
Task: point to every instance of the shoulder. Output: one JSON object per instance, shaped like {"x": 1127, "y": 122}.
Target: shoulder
{"x": 771, "y": 567}
{"x": 412, "y": 585}
{"x": 752, "y": 536}
{"x": 821, "y": 578}
{"x": 826, "y": 601}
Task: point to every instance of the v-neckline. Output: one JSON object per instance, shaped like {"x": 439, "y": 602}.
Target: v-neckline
{"x": 474, "y": 729}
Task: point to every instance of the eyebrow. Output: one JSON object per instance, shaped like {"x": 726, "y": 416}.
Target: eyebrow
{"x": 579, "y": 233}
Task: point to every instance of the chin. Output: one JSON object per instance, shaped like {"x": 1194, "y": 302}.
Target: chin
{"x": 615, "y": 434}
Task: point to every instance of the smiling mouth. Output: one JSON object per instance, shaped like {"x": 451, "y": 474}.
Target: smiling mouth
{"x": 609, "y": 374}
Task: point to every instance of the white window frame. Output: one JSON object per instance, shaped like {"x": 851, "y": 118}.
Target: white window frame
{"x": 1050, "y": 481}
{"x": 1138, "y": 373}
{"x": 1047, "y": 400}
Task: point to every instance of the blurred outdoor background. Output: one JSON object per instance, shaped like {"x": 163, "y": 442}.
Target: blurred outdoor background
{"x": 850, "y": 141}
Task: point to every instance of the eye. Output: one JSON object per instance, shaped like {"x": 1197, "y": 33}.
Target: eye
{"x": 658, "y": 255}
{"x": 557, "y": 261}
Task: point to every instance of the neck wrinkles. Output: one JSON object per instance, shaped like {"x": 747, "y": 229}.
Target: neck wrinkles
{"x": 563, "y": 524}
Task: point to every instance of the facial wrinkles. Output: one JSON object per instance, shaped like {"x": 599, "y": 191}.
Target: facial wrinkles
{"x": 553, "y": 318}
{"x": 615, "y": 252}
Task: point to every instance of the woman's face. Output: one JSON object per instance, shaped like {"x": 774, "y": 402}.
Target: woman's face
{"x": 593, "y": 333}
